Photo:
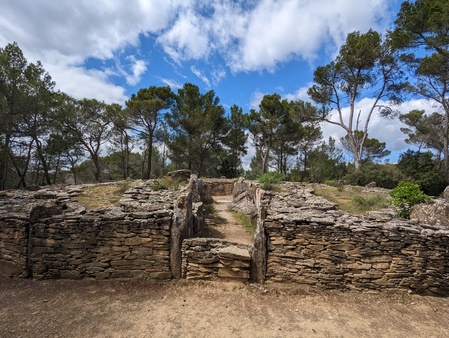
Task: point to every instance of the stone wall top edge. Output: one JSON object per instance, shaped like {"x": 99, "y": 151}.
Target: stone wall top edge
{"x": 205, "y": 179}
{"x": 205, "y": 241}
{"x": 362, "y": 225}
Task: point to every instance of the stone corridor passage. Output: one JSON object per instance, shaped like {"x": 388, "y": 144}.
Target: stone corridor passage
{"x": 225, "y": 225}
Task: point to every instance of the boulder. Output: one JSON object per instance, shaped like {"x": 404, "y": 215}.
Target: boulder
{"x": 182, "y": 174}
{"x": 244, "y": 194}
{"x": 432, "y": 214}
{"x": 10, "y": 269}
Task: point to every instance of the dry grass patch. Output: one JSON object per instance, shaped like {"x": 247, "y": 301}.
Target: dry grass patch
{"x": 353, "y": 199}
{"x": 100, "y": 196}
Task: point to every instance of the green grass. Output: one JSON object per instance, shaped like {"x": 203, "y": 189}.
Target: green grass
{"x": 244, "y": 220}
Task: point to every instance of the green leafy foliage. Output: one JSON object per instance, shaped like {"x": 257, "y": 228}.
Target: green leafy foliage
{"x": 45, "y": 133}
{"x": 145, "y": 111}
{"x": 385, "y": 175}
{"x": 198, "y": 126}
{"x": 325, "y": 162}
{"x": 235, "y": 143}
{"x": 280, "y": 129}
{"x": 372, "y": 149}
{"x": 166, "y": 183}
{"x": 269, "y": 180}
{"x": 424, "y": 129}
{"x": 423, "y": 169}
{"x": 421, "y": 34}
{"x": 406, "y": 195}
{"x": 365, "y": 63}
{"x": 229, "y": 169}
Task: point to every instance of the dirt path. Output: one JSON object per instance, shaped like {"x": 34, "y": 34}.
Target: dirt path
{"x": 226, "y": 224}
{"x": 63, "y": 308}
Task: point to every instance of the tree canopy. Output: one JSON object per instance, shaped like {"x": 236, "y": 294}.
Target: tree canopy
{"x": 46, "y": 134}
{"x": 366, "y": 65}
{"x": 422, "y": 35}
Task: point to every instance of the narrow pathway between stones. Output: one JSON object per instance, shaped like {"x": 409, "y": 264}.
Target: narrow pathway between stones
{"x": 225, "y": 226}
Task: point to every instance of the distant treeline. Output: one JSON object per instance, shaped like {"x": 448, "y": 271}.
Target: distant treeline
{"x": 46, "y": 134}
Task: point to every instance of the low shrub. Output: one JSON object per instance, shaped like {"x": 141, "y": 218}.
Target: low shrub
{"x": 405, "y": 196}
{"x": 385, "y": 175}
{"x": 269, "y": 180}
{"x": 166, "y": 183}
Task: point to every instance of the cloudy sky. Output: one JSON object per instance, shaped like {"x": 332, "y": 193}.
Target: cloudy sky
{"x": 242, "y": 49}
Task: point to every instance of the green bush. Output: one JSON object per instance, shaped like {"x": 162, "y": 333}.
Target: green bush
{"x": 424, "y": 170}
{"x": 269, "y": 180}
{"x": 406, "y": 195}
{"x": 167, "y": 183}
{"x": 385, "y": 175}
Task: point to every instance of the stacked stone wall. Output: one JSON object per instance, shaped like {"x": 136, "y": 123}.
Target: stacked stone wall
{"x": 101, "y": 246}
{"x": 309, "y": 242}
{"x": 13, "y": 245}
{"x": 213, "y": 259}
{"x": 220, "y": 187}
{"x": 47, "y": 234}
{"x": 55, "y": 237}
{"x": 357, "y": 256}
{"x": 300, "y": 238}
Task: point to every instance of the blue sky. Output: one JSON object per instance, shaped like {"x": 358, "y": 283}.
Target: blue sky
{"x": 242, "y": 50}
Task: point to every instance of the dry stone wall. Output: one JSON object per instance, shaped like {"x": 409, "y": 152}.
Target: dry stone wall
{"x": 47, "y": 234}
{"x": 213, "y": 259}
{"x": 309, "y": 242}
{"x": 14, "y": 245}
{"x": 102, "y": 246}
{"x": 19, "y": 209}
{"x": 300, "y": 238}
{"x": 220, "y": 187}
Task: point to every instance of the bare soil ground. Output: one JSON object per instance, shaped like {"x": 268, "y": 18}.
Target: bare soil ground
{"x": 64, "y": 308}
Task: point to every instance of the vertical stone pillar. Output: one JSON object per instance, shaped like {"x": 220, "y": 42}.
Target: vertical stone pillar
{"x": 260, "y": 251}
{"x": 180, "y": 229}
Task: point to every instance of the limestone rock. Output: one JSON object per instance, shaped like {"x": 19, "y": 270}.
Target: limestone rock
{"x": 10, "y": 269}
{"x": 244, "y": 193}
{"x": 181, "y": 174}
{"x": 234, "y": 252}
{"x": 432, "y": 214}
{"x": 446, "y": 193}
